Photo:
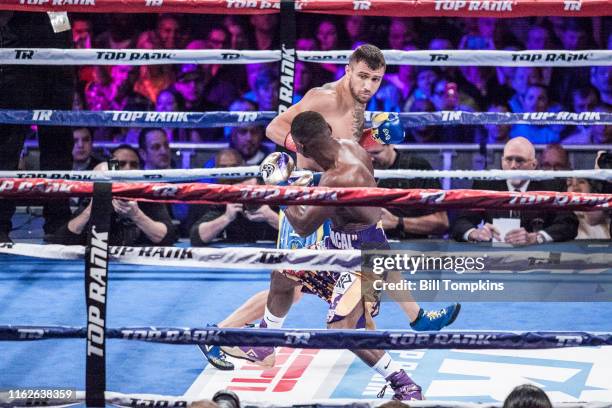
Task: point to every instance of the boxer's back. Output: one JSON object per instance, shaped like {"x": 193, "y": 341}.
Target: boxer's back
{"x": 353, "y": 169}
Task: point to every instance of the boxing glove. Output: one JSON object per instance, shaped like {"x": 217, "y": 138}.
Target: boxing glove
{"x": 386, "y": 129}
{"x": 276, "y": 168}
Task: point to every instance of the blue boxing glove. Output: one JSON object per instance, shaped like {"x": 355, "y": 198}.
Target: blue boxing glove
{"x": 386, "y": 129}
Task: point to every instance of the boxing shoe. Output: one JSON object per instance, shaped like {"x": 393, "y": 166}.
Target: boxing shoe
{"x": 405, "y": 389}
{"x": 434, "y": 320}
{"x": 215, "y": 356}
{"x": 263, "y": 356}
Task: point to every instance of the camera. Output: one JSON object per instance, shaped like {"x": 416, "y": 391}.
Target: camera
{"x": 226, "y": 399}
{"x": 252, "y": 207}
{"x": 113, "y": 164}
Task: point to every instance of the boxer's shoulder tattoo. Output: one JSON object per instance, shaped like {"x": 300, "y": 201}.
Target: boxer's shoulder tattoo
{"x": 358, "y": 119}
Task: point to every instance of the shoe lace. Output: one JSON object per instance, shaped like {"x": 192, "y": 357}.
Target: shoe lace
{"x": 434, "y": 314}
{"x": 381, "y": 394}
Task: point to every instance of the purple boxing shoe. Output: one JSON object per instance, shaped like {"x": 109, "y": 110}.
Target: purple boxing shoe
{"x": 405, "y": 389}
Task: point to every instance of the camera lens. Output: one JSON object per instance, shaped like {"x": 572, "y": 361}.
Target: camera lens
{"x": 226, "y": 399}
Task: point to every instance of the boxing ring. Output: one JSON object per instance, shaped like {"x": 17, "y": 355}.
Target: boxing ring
{"x": 46, "y": 327}
{"x": 41, "y": 291}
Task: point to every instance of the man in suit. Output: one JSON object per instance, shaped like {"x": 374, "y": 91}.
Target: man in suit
{"x": 536, "y": 227}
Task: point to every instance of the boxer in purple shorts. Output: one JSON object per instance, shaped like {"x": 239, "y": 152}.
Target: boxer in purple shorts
{"x": 346, "y": 164}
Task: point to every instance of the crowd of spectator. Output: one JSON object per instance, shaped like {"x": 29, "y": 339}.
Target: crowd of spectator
{"x": 252, "y": 87}
{"x": 405, "y": 88}
{"x": 235, "y": 223}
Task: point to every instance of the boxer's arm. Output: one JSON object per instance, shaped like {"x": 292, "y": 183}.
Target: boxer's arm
{"x": 317, "y": 99}
{"x": 305, "y": 219}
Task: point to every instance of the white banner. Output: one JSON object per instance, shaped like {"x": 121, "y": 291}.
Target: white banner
{"x": 209, "y": 258}
{"x": 93, "y": 56}
{"x": 186, "y": 175}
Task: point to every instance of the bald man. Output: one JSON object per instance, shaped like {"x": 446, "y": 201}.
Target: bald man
{"x": 536, "y": 227}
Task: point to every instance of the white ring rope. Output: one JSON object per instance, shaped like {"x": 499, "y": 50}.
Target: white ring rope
{"x": 99, "y": 56}
{"x": 263, "y": 259}
{"x": 176, "y": 175}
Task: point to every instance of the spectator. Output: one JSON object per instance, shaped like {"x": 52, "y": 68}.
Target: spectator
{"x": 169, "y": 100}
{"x": 82, "y": 32}
{"x": 248, "y": 142}
{"x": 303, "y": 80}
{"x": 527, "y": 396}
{"x": 535, "y": 226}
{"x": 238, "y": 34}
{"x": 496, "y": 134}
{"x": 123, "y": 97}
{"x": 221, "y": 81}
{"x": 190, "y": 83}
{"x": 602, "y": 134}
{"x": 121, "y": 33}
{"x": 583, "y": 100}
{"x": 355, "y": 27}
{"x": 132, "y": 223}
{"x": 401, "y": 33}
{"x": 452, "y": 73}
{"x": 98, "y": 96}
{"x": 440, "y": 43}
{"x": 591, "y": 224}
{"x": 574, "y": 37}
{"x": 554, "y": 157}
{"x": 403, "y": 223}
{"x": 505, "y": 75}
{"x": 265, "y": 31}
{"x": 327, "y": 40}
{"x": 575, "y": 34}
{"x": 239, "y": 105}
{"x": 152, "y": 78}
{"x": 154, "y": 149}
{"x": 425, "y": 79}
{"x": 523, "y": 77}
{"x": 232, "y": 222}
{"x": 82, "y": 158}
{"x": 266, "y": 90}
{"x": 306, "y": 44}
{"x": 422, "y": 134}
{"x": 35, "y": 87}
{"x": 218, "y": 38}
{"x": 536, "y": 100}
{"x": 446, "y": 96}
{"x": 252, "y": 73}
{"x": 480, "y": 37}
{"x": 170, "y": 32}
{"x": 601, "y": 79}
{"x": 538, "y": 38}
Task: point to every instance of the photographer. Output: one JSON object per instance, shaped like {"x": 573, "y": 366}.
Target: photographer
{"x": 233, "y": 222}
{"x": 132, "y": 223}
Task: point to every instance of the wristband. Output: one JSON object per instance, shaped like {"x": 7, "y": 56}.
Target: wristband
{"x": 289, "y": 144}
{"x": 400, "y": 225}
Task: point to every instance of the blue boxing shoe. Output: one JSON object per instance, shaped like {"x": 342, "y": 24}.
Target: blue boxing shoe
{"x": 215, "y": 356}
{"x": 434, "y": 320}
